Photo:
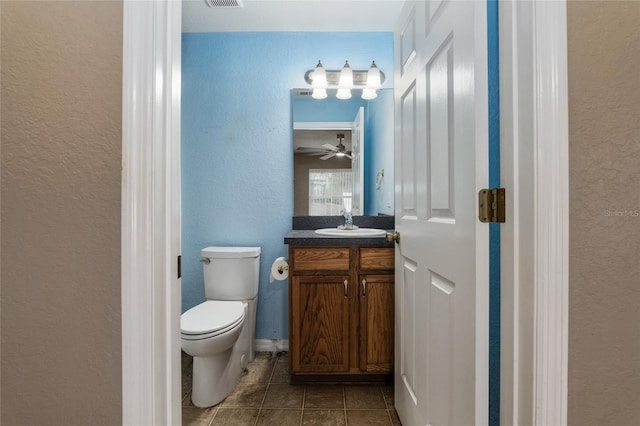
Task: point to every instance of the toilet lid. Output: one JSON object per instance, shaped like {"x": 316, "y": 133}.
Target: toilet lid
{"x": 211, "y": 316}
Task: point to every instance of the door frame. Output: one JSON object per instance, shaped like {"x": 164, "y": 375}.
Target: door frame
{"x": 535, "y": 245}
{"x": 151, "y": 204}
{"x": 533, "y": 117}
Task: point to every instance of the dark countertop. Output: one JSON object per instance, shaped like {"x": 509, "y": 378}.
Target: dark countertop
{"x": 308, "y": 237}
{"x": 317, "y": 222}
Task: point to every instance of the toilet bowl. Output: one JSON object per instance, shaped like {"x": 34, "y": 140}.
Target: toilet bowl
{"x": 211, "y": 327}
{"x": 209, "y": 332}
{"x": 219, "y": 332}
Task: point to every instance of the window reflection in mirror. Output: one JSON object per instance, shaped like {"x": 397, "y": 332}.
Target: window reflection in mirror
{"x": 333, "y": 172}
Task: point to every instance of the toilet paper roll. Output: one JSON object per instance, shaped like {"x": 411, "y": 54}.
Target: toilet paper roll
{"x": 279, "y": 269}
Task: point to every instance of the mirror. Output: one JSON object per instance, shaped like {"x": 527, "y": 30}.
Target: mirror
{"x": 343, "y": 154}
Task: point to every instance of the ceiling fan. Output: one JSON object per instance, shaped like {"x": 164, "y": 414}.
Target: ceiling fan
{"x": 327, "y": 151}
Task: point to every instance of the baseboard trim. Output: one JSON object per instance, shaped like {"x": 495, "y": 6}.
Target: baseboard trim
{"x": 271, "y": 345}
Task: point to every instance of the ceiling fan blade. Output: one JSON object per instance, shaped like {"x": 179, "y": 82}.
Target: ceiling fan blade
{"x": 304, "y": 149}
{"x": 326, "y": 157}
{"x": 349, "y": 156}
{"x": 330, "y": 147}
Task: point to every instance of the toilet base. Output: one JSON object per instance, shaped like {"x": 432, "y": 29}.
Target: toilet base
{"x": 214, "y": 377}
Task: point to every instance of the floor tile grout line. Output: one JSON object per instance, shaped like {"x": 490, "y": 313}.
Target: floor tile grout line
{"x": 273, "y": 369}
{"x": 266, "y": 390}
{"x": 383, "y": 398}
{"x": 214, "y": 416}
{"x": 386, "y": 403}
{"x": 344, "y": 403}
{"x": 304, "y": 398}
{"x": 390, "y": 418}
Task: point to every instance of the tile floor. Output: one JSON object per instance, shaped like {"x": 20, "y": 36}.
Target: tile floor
{"x": 264, "y": 397}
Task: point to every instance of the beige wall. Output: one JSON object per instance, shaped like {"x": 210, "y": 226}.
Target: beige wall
{"x": 60, "y": 210}
{"x": 60, "y": 189}
{"x": 604, "y": 270}
{"x": 301, "y": 167}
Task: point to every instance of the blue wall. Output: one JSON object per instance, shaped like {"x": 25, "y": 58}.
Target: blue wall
{"x": 379, "y": 135}
{"x": 329, "y": 109}
{"x": 237, "y": 155}
{"x": 493, "y": 63}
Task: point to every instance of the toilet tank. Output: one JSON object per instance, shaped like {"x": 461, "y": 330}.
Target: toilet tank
{"x": 231, "y": 273}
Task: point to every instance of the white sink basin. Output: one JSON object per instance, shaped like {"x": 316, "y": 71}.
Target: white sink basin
{"x": 354, "y": 233}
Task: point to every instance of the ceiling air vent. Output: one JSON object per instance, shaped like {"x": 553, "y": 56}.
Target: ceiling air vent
{"x": 224, "y": 3}
{"x": 302, "y": 93}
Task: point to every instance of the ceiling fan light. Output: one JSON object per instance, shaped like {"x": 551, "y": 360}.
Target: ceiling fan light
{"x": 319, "y": 93}
{"x": 343, "y": 94}
{"x": 340, "y": 154}
{"x": 319, "y": 77}
{"x": 368, "y": 94}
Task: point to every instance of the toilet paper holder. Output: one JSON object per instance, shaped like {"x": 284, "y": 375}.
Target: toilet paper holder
{"x": 279, "y": 270}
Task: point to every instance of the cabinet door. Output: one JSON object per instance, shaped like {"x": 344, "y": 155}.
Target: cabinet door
{"x": 376, "y": 322}
{"x": 320, "y": 323}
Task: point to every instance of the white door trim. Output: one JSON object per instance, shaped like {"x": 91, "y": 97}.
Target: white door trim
{"x": 151, "y": 213}
{"x": 551, "y": 212}
{"x": 150, "y": 190}
{"x": 322, "y": 125}
{"x": 535, "y": 245}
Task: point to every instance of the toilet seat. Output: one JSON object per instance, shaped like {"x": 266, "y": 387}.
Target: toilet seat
{"x": 211, "y": 318}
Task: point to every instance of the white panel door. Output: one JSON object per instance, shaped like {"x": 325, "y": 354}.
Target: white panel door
{"x": 357, "y": 162}
{"x": 441, "y": 373}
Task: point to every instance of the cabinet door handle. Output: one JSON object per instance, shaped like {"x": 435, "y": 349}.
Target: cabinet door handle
{"x": 364, "y": 288}
{"x": 345, "y": 288}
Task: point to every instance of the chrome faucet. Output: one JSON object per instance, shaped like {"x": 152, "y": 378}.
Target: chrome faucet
{"x": 348, "y": 219}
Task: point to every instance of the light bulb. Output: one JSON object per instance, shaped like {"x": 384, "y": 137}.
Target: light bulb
{"x": 373, "y": 77}
{"x": 319, "y": 77}
{"x": 346, "y": 77}
{"x": 369, "y": 94}
{"x": 319, "y": 93}
{"x": 343, "y": 94}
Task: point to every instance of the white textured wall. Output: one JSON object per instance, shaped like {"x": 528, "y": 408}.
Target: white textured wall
{"x": 61, "y": 163}
{"x": 604, "y": 270}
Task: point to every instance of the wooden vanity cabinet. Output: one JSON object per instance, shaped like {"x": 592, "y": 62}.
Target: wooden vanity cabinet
{"x": 321, "y": 326}
{"x": 376, "y": 323}
{"x": 341, "y": 313}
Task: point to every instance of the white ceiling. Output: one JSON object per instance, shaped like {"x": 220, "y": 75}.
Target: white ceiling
{"x": 317, "y": 138}
{"x": 292, "y": 15}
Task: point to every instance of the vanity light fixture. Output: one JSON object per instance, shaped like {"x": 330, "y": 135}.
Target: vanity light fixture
{"x": 227, "y": 4}
{"x": 345, "y": 79}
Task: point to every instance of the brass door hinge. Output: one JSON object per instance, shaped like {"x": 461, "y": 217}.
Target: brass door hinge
{"x": 491, "y": 205}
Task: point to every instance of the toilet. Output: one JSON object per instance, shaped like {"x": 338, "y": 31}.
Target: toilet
{"x": 219, "y": 332}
